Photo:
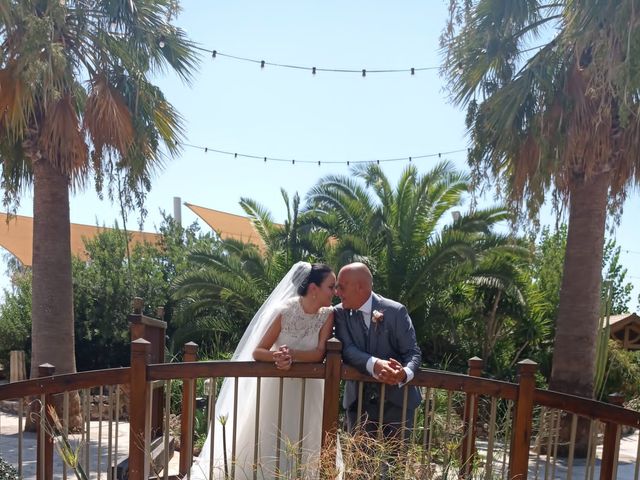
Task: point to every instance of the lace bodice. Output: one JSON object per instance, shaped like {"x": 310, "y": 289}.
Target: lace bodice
{"x": 299, "y": 329}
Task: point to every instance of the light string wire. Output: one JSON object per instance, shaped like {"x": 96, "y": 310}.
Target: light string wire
{"x": 263, "y": 63}
{"x": 363, "y": 71}
{"x": 293, "y": 161}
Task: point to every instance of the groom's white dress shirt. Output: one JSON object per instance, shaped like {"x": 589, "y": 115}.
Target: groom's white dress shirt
{"x": 366, "y": 314}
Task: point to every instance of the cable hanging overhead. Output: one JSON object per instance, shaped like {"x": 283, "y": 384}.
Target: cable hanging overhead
{"x": 294, "y": 161}
{"x": 314, "y": 69}
{"x": 362, "y": 71}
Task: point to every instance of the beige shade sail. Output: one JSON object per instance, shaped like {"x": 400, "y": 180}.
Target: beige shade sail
{"x": 228, "y": 225}
{"x": 16, "y": 236}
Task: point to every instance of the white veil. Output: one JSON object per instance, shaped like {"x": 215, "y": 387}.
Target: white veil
{"x": 286, "y": 289}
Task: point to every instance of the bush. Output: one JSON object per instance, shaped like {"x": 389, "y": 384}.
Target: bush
{"x": 623, "y": 372}
{"x": 7, "y": 471}
{"x": 15, "y": 316}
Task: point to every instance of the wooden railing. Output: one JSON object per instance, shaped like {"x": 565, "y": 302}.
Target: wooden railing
{"x": 530, "y": 418}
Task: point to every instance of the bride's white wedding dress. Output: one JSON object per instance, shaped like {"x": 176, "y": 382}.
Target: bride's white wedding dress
{"x": 289, "y": 433}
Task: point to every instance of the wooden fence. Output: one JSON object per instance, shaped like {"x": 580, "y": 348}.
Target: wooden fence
{"x": 528, "y": 442}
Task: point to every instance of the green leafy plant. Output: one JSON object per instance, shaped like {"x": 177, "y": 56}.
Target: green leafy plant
{"x": 7, "y": 471}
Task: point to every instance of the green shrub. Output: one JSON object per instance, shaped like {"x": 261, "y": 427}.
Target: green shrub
{"x": 623, "y": 372}
{"x": 15, "y": 316}
{"x": 7, "y": 471}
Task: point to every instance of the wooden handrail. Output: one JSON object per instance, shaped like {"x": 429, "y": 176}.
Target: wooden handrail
{"x": 140, "y": 377}
{"x": 586, "y": 407}
{"x": 227, "y": 368}
{"x": 68, "y": 382}
{"x": 425, "y": 378}
{"x": 455, "y": 382}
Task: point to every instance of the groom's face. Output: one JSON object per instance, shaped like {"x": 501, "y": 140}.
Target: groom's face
{"x": 353, "y": 292}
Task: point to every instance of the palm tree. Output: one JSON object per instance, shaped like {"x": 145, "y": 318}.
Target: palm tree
{"x": 403, "y": 235}
{"x": 296, "y": 239}
{"x": 76, "y": 98}
{"x": 560, "y": 118}
{"x": 239, "y": 276}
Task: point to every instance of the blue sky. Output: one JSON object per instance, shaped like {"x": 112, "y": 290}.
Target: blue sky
{"x": 286, "y": 113}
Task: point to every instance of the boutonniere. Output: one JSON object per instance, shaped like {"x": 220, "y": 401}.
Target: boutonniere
{"x": 377, "y": 317}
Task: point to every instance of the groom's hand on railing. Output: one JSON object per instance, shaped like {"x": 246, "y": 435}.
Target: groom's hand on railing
{"x": 390, "y": 371}
{"x": 399, "y": 373}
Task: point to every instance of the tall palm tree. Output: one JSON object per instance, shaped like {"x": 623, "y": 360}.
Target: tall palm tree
{"x": 76, "y": 98}
{"x": 560, "y": 118}
{"x": 403, "y": 234}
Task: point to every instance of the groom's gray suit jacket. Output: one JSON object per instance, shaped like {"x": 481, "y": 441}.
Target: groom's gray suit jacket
{"x": 393, "y": 337}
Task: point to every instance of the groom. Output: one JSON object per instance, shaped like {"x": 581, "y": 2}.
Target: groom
{"x": 377, "y": 338}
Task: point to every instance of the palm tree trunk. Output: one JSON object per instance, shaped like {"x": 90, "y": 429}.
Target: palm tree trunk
{"x": 574, "y": 352}
{"x": 52, "y": 335}
{"x": 52, "y": 332}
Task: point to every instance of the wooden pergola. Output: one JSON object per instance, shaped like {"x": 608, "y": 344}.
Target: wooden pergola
{"x": 625, "y": 328}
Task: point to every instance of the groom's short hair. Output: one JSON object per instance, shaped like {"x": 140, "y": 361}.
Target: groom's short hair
{"x": 361, "y": 272}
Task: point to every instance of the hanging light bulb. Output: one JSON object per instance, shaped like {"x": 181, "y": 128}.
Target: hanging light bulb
{"x": 161, "y": 41}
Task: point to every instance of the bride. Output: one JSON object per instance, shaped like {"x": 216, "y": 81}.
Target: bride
{"x": 293, "y": 325}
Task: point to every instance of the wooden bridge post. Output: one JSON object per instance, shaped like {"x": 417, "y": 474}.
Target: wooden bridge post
{"x": 470, "y": 421}
{"x": 187, "y": 414}
{"x": 331, "y": 404}
{"x": 611, "y": 443}
{"x": 522, "y": 417}
{"x": 153, "y": 330}
{"x": 43, "y": 429}
{"x": 139, "y": 443}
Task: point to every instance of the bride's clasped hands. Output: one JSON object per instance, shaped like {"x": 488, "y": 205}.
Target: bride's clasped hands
{"x": 282, "y": 358}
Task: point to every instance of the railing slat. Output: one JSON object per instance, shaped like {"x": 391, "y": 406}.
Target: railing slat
{"x": 521, "y": 429}
{"x": 610, "y": 444}
{"x": 187, "y": 414}
{"x": 44, "y": 425}
{"x": 138, "y": 468}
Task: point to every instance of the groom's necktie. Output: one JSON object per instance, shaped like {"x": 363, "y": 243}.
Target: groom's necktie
{"x": 359, "y": 317}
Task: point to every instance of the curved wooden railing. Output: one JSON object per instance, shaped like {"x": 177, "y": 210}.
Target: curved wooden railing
{"x": 142, "y": 375}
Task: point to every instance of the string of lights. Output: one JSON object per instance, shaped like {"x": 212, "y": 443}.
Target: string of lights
{"x": 362, "y": 71}
{"x": 295, "y": 161}
{"x": 263, "y": 63}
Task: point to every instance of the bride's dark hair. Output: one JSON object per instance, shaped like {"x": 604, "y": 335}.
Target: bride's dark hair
{"x": 318, "y": 273}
